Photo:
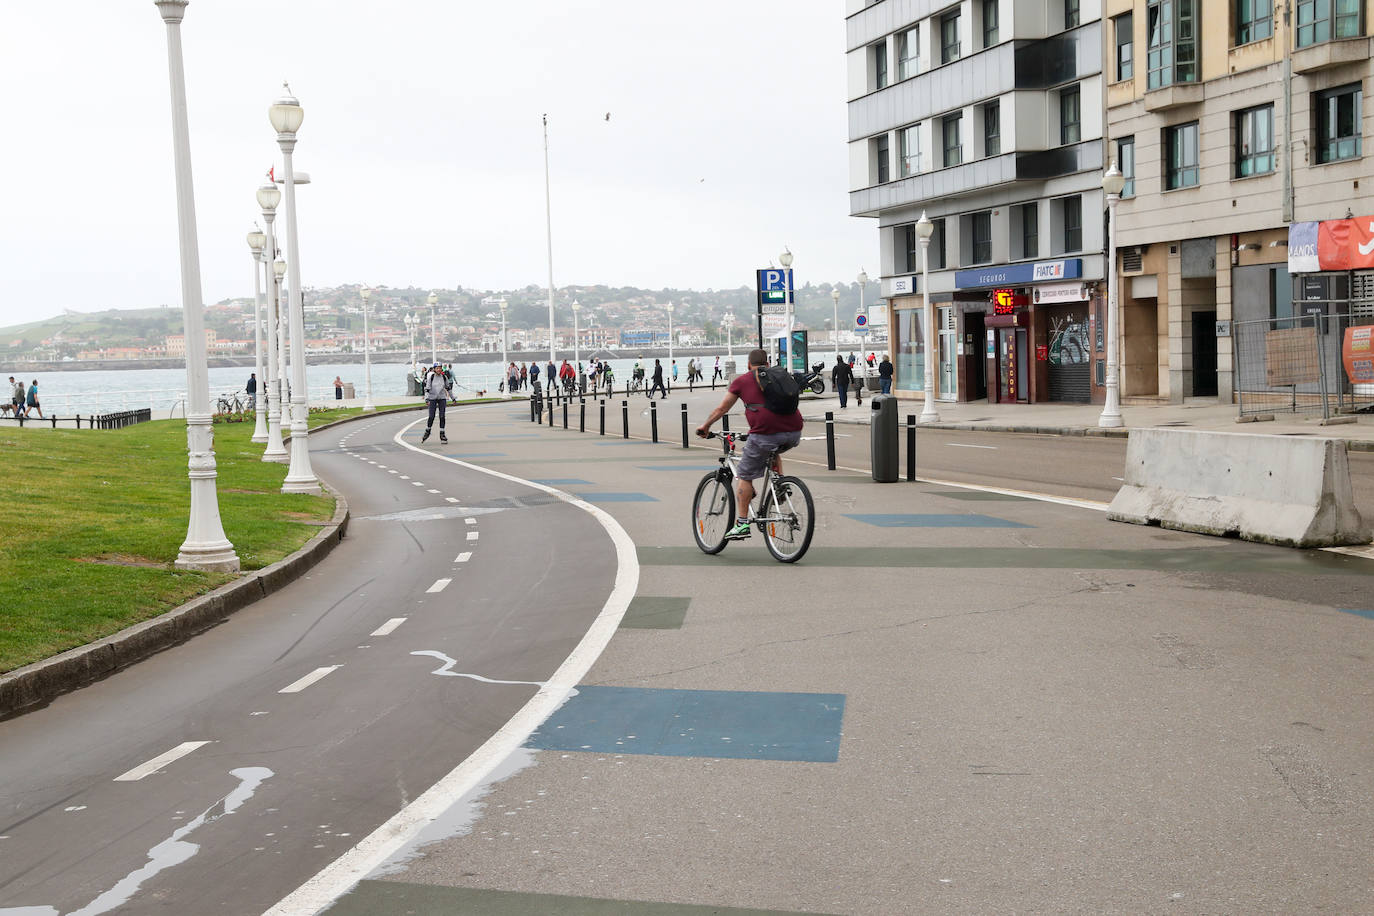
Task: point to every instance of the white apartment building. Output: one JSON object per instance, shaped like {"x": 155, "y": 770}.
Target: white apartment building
{"x": 987, "y": 116}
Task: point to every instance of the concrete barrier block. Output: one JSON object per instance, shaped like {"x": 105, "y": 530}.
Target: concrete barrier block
{"x": 1294, "y": 492}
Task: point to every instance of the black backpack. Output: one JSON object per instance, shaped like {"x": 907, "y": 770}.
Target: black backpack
{"x": 781, "y": 393}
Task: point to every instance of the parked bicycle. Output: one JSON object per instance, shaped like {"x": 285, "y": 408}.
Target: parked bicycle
{"x": 229, "y": 403}
{"x": 786, "y": 513}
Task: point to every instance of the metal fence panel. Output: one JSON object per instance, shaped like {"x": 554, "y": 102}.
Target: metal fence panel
{"x": 1294, "y": 365}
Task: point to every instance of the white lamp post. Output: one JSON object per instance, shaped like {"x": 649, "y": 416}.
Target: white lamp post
{"x": 729, "y": 321}
{"x": 366, "y": 294}
{"x": 548, "y": 222}
{"x": 1112, "y": 183}
{"x": 205, "y": 546}
{"x": 835, "y": 325}
{"x": 924, "y": 228}
{"x": 257, "y": 241}
{"x": 785, "y": 259}
{"x": 577, "y": 351}
{"x": 410, "y": 321}
{"x": 286, "y": 115}
{"x": 862, "y": 280}
{"x": 504, "y": 306}
{"x": 283, "y": 384}
{"x": 433, "y": 301}
{"x": 670, "y": 336}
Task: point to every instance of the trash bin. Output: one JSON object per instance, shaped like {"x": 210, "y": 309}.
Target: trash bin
{"x": 348, "y": 390}
{"x": 883, "y": 446}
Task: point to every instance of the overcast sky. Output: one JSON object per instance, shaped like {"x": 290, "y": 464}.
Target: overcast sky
{"x": 422, "y": 137}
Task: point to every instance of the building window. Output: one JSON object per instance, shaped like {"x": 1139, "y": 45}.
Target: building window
{"x": 880, "y": 154}
{"x": 1125, "y": 160}
{"x": 1070, "y": 116}
{"x": 906, "y": 248}
{"x": 1322, "y": 20}
{"x": 980, "y": 231}
{"x": 1073, "y": 223}
{"x": 1171, "y": 56}
{"x": 908, "y": 53}
{"x": 937, "y": 245}
{"x": 990, "y": 13}
{"x": 878, "y": 53}
{"x": 1254, "y": 20}
{"x": 1255, "y": 141}
{"x": 1338, "y": 123}
{"x": 911, "y": 149}
{"x": 949, "y": 37}
{"x": 1181, "y": 152}
{"x": 1030, "y": 231}
{"x": 1070, "y": 14}
{"x": 992, "y": 129}
{"x": 1125, "y": 46}
{"x": 954, "y": 150}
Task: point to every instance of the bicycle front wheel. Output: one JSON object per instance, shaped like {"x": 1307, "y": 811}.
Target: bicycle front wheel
{"x": 713, "y": 511}
{"x": 789, "y": 519}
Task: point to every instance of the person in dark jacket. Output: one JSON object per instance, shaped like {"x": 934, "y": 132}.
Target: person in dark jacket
{"x": 658, "y": 381}
{"x": 885, "y": 372}
{"x": 842, "y": 376}
{"x": 251, "y": 389}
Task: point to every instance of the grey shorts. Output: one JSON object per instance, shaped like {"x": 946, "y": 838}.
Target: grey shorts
{"x": 758, "y": 447}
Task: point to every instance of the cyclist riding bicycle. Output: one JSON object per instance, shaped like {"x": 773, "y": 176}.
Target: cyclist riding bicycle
{"x": 769, "y": 434}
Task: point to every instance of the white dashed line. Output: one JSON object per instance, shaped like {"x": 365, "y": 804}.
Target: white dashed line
{"x": 405, "y": 476}
{"x": 470, "y": 521}
{"x": 463, "y": 557}
{"x": 389, "y": 627}
{"x": 432, "y": 491}
{"x": 961, "y": 445}
{"x": 472, "y": 535}
{"x": 452, "y": 499}
{"x": 309, "y": 679}
{"x": 438, "y": 586}
{"x": 416, "y": 483}
{"x": 392, "y": 471}
{"x": 157, "y": 763}
{"x": 382, "y": 466}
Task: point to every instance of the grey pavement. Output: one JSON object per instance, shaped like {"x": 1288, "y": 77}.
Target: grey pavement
{"x": 959, "y": 701}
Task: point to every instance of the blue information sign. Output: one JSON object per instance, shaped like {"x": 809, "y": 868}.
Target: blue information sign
{"x": 774, "y": 282}
{"x": 1020, "y": 274}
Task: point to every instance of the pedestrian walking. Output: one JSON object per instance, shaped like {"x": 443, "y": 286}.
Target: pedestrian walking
{"x": 885, "y": 372}
{"x": 436, "y": 399}
{"x": 16, "y": 397}
{"x": 338, "y": 388}
{"x": 32, "y": 401}
{"x": 658, "y": 380}
{"x": 550, "y": 376}
{"x": 842, "y": 377}
{"x": 717, "y": 375}
{"x": 860, "y": 381}
{"x": 251, "y": 387}
{"x": 691, "y": 374}
{"x": 674, "y": 381}
{"x": 534, "y": 375}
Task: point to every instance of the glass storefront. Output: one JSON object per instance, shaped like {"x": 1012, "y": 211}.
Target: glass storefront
{"x": 910, "y": 356}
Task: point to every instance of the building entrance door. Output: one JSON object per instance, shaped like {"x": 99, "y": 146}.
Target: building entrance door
{"x": 1204, "y": 354}
{"x": 949, "y": 346}
{"x": 1011, "y": 365}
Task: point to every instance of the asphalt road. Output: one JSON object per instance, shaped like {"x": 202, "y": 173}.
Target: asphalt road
{"x": 219, "y": 775}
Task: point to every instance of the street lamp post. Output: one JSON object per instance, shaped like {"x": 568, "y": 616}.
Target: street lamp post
{"x": 283, "y": 384}
{"x": 504, "y": 305}
{"x": 366, "y": 294}
{"x": 257, "y": 241}
{"x": 835, "y": 326}
{"x": 548, "y": 223}
{"x": 670, "y": 336}
{"x": 728, "y": 319}
{"x": 785, "y": 259}
{"x": 433, "y": 302}
{"x": 1112, "y": 183}
{"x": 286, "y": 115}
{"x": 577, "y": 351}
{"x": 924, "y": 229}
{"x": 862, "y": 280}
{"x": 205, "y": 546}
{"x": 410, "y": 321}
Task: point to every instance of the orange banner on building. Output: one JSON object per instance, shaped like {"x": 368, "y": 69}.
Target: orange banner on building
{"x": 1346, "y": 244}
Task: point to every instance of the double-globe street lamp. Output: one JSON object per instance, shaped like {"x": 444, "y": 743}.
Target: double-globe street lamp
{"x": 577, "y": 352}
{"x": 366, "y": 294}
{"x": 924, "y": 229}
{"x": 412, "y": 322}
{"x": 268, "y": 196}
{"x": 670, "y": 337}
{"x": 205, "y": 546}
{"x": 286, "y": 115}
{"x": 1113, "y": 182}
{"x": 728, "y": 319}
{"x": 257, "y": 241}
{"x": 433, "y": 302}
{"x": 835, "y": 321}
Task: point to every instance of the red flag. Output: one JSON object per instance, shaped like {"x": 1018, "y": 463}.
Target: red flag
{"x": 271, "y": 174}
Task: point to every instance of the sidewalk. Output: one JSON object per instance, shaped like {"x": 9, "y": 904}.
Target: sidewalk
{"x": 959, "y": 701}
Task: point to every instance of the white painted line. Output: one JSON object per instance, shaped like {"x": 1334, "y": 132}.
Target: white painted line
{"x": 961, "y": 445}
{"x": 382, "y": 466}
{"x": 452, "y": 499}
{"x": 405, "y": 476}
{"x": 463, "y": 557}
{"x": 416, "y": 483}
{"x": 472, "y": 535}
{"x": 160, "y": 761}
{"x": 309, "y": 679}
{"x": 470, "y": 521}
{"x": 374, "y": 849}
{"x": 389, "y": 627}
{"x": 438, "y": 586}
{"x": 436, "y": 492}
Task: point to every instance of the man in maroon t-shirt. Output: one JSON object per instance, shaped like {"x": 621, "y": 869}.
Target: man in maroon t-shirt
{"x": 768, "y": 433}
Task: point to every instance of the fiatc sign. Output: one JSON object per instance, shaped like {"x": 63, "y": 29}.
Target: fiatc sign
{"x": 1333, "y": 244}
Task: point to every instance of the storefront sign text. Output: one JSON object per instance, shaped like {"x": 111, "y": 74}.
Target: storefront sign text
{"x": 1332, "y": 244}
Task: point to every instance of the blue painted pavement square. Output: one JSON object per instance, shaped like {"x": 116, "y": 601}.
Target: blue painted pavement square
{"x": 934, "y": 520}
{"x": 738, "y": 724}
{"x": 1367, "y": 615}
{"x": 617, "y": 497}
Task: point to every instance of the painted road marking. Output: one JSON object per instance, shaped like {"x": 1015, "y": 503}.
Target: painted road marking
{"x": 438, "y": 586}
{"x": 389, "y": 627}
{"x": 961, "y": 445}
{"x": 416, "y": 483}
{"x": 452, "y": 499}
{"x": 160, "y": 761}
{"x": 463, "y": 557}
{"x": 391, "y": 470}
{"x": 432, "y": 491}
{"x": 405, "y": 476}
{"x": 381, "y": 466}
{"x": 470, "y": 521}
{"x": 309, "y": 679}
{"x": 472, "y": 535}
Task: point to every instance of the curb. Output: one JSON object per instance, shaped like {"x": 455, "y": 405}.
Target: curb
{"x": 33, "y": 686}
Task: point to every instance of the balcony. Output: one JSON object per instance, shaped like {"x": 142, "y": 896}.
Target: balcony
{"x": 1174, "y": 96}
{"x": 1062, "y": 160}
{"x": 1335, "y": 53}
{"x": 968, "y": 178}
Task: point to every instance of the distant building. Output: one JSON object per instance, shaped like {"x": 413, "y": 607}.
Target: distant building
{"x": 176, "y": 343}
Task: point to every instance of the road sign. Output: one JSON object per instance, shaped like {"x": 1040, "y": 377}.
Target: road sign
{"x": 861, "y": 321}
{"x": 773, "y": 284}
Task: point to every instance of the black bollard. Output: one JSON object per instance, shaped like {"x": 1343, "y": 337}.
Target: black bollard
{"x": 684, "y": 427}
{"x": 830, "y": 439}
{"x": 565, "y": 413}
{"x": 602, "y": 402}
{"x": 653, "y": 420}
{"x": 582, "y": 415}
{"x": 910, "y": 447}
{"x": 625, "y": 419}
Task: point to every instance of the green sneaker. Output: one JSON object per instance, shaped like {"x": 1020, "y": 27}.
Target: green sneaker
{"x": 740, "y": 531}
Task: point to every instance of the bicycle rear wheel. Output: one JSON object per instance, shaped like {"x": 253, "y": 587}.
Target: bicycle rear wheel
{"x": 789, "y": 519}
{"x": 713, "y": 511}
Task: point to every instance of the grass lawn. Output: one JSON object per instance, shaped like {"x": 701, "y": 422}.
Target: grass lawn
{"x": 95, "y": 518}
